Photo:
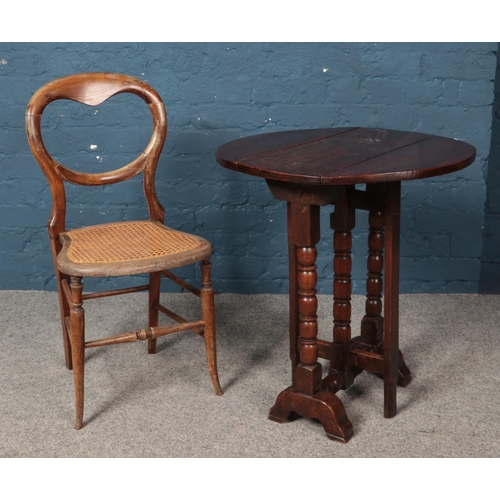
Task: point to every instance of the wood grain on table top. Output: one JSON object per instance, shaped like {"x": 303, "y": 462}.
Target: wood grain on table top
{"x": 345, "y": 155}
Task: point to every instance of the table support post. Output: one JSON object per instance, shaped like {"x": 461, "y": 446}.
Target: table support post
{"x": 372, "y": 324}
{"x": 293, "y": 296}
{"x": 342, "y": 221}
{"x": 305, "y": 397}
{"x": 308, "y": 371}
{"x": 391, "y": 297}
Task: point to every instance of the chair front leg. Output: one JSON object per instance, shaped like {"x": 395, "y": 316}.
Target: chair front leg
{"x": 77, "y": 329}
{"x": 64, "y": 309}
{"x": 154, "y": 298}
{"x": 208, "y": 313}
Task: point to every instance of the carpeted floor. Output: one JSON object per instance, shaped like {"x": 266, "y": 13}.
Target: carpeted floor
{"x": 137, "y": 405}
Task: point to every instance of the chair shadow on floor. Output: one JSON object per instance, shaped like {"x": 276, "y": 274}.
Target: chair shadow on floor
{"x": 252, "y": 336}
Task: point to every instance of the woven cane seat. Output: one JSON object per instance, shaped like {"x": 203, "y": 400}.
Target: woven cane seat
{"x": 132, "y": 247}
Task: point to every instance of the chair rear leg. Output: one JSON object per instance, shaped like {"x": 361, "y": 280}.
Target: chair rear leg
{"x": 77, "y": 327}
{"x": 208, "y": 313}
{"x": 64, "y": 308}
{"x": 154, "y": 298}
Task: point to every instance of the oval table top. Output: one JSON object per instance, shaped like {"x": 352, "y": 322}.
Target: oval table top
{"x": 337, "y": 156}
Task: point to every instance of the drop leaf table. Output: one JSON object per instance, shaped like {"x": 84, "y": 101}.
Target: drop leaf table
{"x": 318, "y": 167}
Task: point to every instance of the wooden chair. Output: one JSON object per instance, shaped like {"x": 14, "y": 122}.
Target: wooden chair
{"x": 121, "y": 248}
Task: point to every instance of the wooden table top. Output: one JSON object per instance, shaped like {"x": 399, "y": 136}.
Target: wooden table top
{"x": 337, "y": 156}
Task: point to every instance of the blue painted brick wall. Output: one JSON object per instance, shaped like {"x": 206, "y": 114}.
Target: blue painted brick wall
{"x": 490, "y": 266}
{"x": 217, "y": 92}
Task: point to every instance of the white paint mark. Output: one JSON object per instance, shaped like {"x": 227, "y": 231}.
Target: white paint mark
{"x": 199, "y": 118}
{"x": 142, "y": 74}
{"x": 96, "y": 111}
{"x": 99, "y": 158}
{"x": 3, "y": 62}
{"x": 271, "y": 220}
{"x": 93, "y": 146}
{"x": 325, "y": 70}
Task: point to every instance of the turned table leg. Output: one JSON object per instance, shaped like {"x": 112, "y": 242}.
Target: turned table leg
{"x": 372, "y": 324}
{"x": 305, "y": 397}
{"x": 342, "y": 221}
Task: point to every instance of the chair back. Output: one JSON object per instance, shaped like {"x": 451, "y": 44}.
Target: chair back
{"x": 93, "y": 89}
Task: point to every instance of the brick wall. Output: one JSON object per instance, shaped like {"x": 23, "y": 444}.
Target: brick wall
{"x": 490, "y": 265}
{"x": 216, "y": 92}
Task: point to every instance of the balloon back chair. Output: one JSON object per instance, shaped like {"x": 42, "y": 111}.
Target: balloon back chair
{"x": 121, "y": 248}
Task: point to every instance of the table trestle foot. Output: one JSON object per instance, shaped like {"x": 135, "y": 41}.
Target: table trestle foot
{"x": 323, "y": 406}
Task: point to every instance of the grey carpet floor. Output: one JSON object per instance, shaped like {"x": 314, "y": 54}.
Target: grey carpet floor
{"x": 163, "y": 405}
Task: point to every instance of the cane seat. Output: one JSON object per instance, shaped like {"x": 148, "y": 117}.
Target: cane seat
{"x": 131, "y": 247}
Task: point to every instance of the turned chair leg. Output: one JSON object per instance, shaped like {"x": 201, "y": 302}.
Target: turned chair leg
{"x": 64, "y": 308}
{"x": 77, "y": 329}
{"x": 208, "y": 313}
{"x": 154, "y": 298}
